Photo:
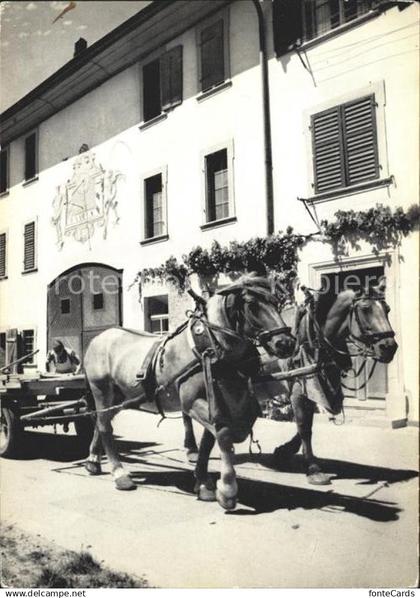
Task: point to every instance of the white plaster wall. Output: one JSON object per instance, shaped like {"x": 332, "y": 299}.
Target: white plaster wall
{"x": 381, "y": 53}
{"x": 108, "y": 120}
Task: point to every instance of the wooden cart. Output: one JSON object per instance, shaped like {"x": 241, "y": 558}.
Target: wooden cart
{"x": 33, "y": 400}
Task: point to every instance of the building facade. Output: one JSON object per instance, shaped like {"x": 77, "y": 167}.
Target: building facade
{"x": 158, "y": 138}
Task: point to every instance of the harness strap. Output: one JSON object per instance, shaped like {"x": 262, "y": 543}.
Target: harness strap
{"x": 207, "y": 361}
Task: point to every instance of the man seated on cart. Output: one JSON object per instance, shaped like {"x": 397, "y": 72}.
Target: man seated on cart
{"x": 63, "y": 359}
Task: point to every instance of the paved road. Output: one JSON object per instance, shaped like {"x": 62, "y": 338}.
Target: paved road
{"x": 360, "y": 531}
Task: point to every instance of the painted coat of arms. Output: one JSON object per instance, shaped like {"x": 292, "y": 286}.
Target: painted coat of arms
{"x": 86, "y": 201}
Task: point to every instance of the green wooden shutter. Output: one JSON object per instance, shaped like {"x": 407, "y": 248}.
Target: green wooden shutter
{"x": 171, "y": 77}
{"x": 2, "y": 255}
{"x": 360, "y": 140}
{"x": 328, "y": 155}
{"x": 212, "y": 55}
{"x": 29, "y": 246}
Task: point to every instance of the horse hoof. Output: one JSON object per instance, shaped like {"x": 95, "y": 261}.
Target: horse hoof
{"x": 92, "y": 467}
{"x": 228, "y": 503}
{"x": 123, "y": 482}
{"x": 192, "y": 455}
{"x": 316, "y": 477}
{"x": 205, "y": 491}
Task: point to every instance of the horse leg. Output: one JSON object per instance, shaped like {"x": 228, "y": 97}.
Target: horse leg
{"x": 104, "y": 399}
{"x": 189, "y": 439}
{"x": 93, "y": 462}
{"x": 227, "y": 487}
{"x": 204, "y": 486}
{"x": 304, "y": 413}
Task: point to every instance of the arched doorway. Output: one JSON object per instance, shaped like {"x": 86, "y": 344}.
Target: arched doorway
{"x": 82, "y": 302}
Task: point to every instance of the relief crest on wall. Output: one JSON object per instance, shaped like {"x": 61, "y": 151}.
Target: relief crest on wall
{"x": 86, "y": 201}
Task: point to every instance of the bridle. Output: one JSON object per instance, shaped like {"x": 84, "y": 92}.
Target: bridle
{"x": 259, "y": 336}
{"x": 364, "y": 341}
{"x": 365, "y": 337}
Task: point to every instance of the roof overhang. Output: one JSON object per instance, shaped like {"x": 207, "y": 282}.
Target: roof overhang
{"x": 152, "y": 27}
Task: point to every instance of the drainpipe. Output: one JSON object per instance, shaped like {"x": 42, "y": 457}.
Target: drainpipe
{"x": 268, "y": 156}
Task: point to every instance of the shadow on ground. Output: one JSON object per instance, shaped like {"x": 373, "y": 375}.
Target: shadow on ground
{"x": 65, "y": 448}
{"x": 255, "y": 497}
{"x": 266, "y": 497}
{"x": 339, "y": 470}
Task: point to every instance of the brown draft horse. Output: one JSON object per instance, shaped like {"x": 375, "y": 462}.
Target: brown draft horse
{"x": 238, "y": 317}
{"x": 321, "y": 331}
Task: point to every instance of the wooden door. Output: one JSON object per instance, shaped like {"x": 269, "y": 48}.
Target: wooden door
{"x": 82, "y": 303}
{"x": 377, "y": 386}
{"x": 101, "y": 302}
{"x": 64, "y": 311}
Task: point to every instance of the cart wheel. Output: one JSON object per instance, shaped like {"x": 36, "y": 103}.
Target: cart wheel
{"x": 84, "y": 429}
{"x": 11, "y": 433}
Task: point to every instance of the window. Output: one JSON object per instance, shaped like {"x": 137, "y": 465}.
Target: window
{"x": 162, "y": 83}
{"x": 65, "y": 306}
{"x": 98, "y": 301}
{"x": 156, "y": 314}
{"x": 213, "y": 54}
{"x": 217, "y": 186}
{"x": 4, "y": 170}
{"x": 31, "y": 159}
{"x": 297, "y": 21}
{"x": 3, "y": 255}
{"x": 154, "y": 207}
{"x": 345, "y": 145}
{"x": 28, "y": 344}
{"x": 29, "y": 250}
{"x": 321, "y": 16}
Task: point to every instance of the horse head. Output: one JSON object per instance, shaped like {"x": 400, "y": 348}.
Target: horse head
{"x": 369, "y": 323}
{"x": 252, "y": 310}
{"x": 362, "y": 316}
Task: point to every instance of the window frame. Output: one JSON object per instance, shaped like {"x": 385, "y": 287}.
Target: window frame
{"x": 66, "y": 313}
{"x": 95, "y": 309}
{"x": 158, "y": 56}
{"x": 229, "y": 147}
{"x": 5, "y": 232}
{"x": 377, "y": 89}
{"x": 341, "y": 20}
{"x": 36, "y": 157}
{"x": 31, "y": 360}
{"x": 163, "y": 172}
{"x": 6, "y": 150}
{"x": 35, "y": 266}
{"x": 148, "y": 317}
{"x": 223, "y": 15}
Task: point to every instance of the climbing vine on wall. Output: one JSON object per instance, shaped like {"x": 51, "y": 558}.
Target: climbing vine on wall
{"x": 381, "y": 227}
{"x": 277, "y": 254}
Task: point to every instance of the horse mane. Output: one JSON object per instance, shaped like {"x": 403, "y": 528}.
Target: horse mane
{"x": 252, "y": 282}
